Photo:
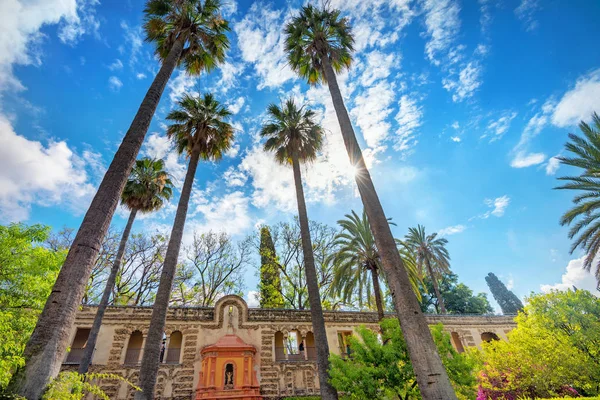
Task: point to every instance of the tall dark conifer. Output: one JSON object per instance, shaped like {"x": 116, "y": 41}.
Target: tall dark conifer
{"x": 270, "y": 281}
{"x": 507, "y": 300}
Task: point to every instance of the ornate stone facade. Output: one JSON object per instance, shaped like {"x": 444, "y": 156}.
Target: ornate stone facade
{"x": 284, "y": 360}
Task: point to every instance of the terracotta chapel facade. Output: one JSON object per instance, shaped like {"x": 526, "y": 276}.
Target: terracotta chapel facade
{"x": 232, "y": 352}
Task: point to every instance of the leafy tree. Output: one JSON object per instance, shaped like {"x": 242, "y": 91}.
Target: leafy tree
{"x": 70, "y": 385}
{"x": 508, "y": 302}
{"x": 270, "y": 279}
{"x": 287, "y": 239}
{"x": 458, "y": 297}
{"x": 585, "y": 154}
{"x": 187, "y": 33}
{"x": 293, "y": 136}
{"x": 357, "y": 264}
{"x": 554, "y": 348}
{"x": 27, "y": 273}
{"x": 213, "y": 267}
{"x": 432, "y": 257}
{"x": 147, "y": 190}
{"x": 379, "y": 366}
{"x": 200, "y": 129}
{"x": 319, "y": 43}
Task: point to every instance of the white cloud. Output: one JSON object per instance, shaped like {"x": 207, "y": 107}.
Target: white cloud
{"x": 116, "y": 65}
{"x": 377, "y": 66}
{"x": 524, "y": 160}
{"x": 234, "y": 177}
{"x": 497, "y": 207}
{"x": 261, "y": 41}
{"x": 443, "y": 24}
{"x": 83, "y": 21}
{"x": 409, "y": 118}
{"x": 498, "y": 204}
{"x": 552, "y": 165}
{"x": 160, "y": 147}
{"x": 236, "y": 105}
{"x": 371, "y": 109}
{"x": 522, "y": 157}
{"x": 180, "y": 85}
{"x": 229, "y": 7}
{"x": 525, "y": 12}
{"x": 34, "y": 173}
{"x": 114, "y": 83}
{"x": 579, "y": 103}
{"x": 467, "y": 82}
{"x": 451, "y": 230}
{"x": 133, "y": 37}
{"x": 140, "y": 75}
{"x": 20, "y": 36}
{"x": 229, "y": 74}
{"x": 218, "y": 213}
{"x": 576, "y": 276}
{"x": 500, "y": 126}
{"x": 455, "y": 139}
{"x": 252, "y": 299}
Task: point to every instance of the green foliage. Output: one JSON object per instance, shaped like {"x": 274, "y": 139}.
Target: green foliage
{"x": 317, "y": 34}
{"x": 380, "y": 368}
{"x": 458, "y": 297}
{"x": 27, "y": 273}
{"x": 507, "y": 300}
{"x": 270, "y": 281}
{"x": 556, "y": 345}
{"x": 148, "y": 186}
{"x": 199, "y": 127}
{"x": 198, "y": 23}
{"x": 585, "y": 154}
{"x": 70, "y": 385}
{"x": 292, "y": 131}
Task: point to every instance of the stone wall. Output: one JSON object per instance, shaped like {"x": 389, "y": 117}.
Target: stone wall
{"x": 204, "y": 326}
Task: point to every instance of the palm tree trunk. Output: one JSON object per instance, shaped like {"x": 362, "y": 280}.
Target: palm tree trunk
{"x": 377, "y": 290}
{"x": 151, "y": 358}
{"x": 110, "y": 283}
{"x": 436, "y": 288}
{"x": 47, "y": 345}
{"x": 328, "y": 392}
{"x": 430, "y": 373}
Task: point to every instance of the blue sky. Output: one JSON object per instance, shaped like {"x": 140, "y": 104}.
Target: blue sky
{"x": 460, "y": 107}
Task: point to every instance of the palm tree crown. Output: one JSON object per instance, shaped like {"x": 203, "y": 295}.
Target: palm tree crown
{"x": 198, "y": 23}
{"x": 292, "y": 130}
{"x": 431, "y": 255}
{"x": 148, "y": 187}
{"x": 199, "y": 126}
{"x": 586, "y": 155}
{"x": 357, "y": 263}
{"x": 314, "y": 34}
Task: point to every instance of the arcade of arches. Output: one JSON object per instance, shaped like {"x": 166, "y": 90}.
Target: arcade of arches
{"x": 233, "y": 352}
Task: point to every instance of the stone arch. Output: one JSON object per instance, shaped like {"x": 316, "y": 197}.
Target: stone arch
{"x": 489, "y": 336}
{"x": 174, "y": 347}
{"x": 311, "y": 351}
{"x": 456, "y": 342}
{"x": 134, "y": 348}
{"x": 222, "y": 311}
{"x": 279, "y": 346}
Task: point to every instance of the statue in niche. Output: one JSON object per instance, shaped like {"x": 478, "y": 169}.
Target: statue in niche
{"x": 228, "y": 376}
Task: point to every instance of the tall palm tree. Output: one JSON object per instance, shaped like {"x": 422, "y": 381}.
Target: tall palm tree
{"x": 147, "y": 190}
{"x": 585, "y": 155}
{"x": 200, "y": 130}
{"x": 190, "y": 33}
{"x": 294, "y": 137}
{"x": 357, "y": 264}
{"x": 319, "y": 44}
{"x": 432, "y": 257}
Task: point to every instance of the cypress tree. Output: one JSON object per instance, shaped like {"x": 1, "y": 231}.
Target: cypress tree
{"x": 270, "y": 281}
{"x": 508, "y": 301}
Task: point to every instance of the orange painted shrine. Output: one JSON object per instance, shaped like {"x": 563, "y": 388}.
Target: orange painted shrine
{"x": 227, "y": 371}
